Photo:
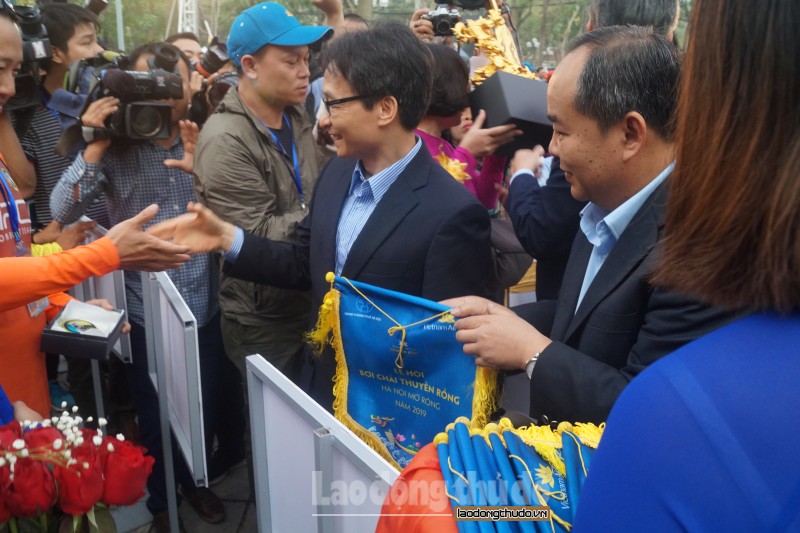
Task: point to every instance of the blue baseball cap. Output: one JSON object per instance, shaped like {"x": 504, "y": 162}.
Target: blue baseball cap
{"x": 270, "y": 23}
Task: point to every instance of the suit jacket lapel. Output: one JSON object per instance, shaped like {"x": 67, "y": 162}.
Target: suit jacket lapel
{"x": 571, "y": 287}
{"x": 395, "y": 205}
{"x": 630, "y": 250}
{"x": 329, "y": 210}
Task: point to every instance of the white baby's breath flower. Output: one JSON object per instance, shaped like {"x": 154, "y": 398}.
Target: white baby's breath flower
{"x": 89, "y": 419}
{"x": 63, "y": 405}
{"x": 24, "y": 452}
{"x": 18, "y": 444}
{"x": 102, "y": 422}
{"x": 97, "y": 440}
{"x": 74, "y": 408}
{"x": 3, "y": 461}
{"x": 120, "y": 436}
{"x": 57, "y": 444}
{"x": 67, "y": 453}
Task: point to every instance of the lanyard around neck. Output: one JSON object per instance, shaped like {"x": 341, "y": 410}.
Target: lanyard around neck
{"x": 11, "y": 206}
{"x": 297, "y": 181}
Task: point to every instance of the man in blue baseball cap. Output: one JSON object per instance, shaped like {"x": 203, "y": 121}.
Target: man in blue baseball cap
{"x": 256, "y": 164}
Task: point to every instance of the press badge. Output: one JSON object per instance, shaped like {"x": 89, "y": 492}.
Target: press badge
{"x": 35, "y": 308}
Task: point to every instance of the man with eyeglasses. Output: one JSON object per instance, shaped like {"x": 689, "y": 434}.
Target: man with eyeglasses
{"x": 384, "y": 211}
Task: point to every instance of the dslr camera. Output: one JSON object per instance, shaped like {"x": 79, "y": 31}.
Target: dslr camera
{"x": 443, "y": 19}
{"x": 215, "y": 57}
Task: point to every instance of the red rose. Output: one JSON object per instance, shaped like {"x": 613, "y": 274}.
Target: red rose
{"x": 41, "y": 437}
{"x": 33, "y": 490}
{"x": 9, "y": 433}
{"x": 126, "y": 470}
{"x": 79, "y": 488}
{"x": 5, "y": 483}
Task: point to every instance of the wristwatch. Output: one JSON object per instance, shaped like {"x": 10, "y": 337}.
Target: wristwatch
{"x": 531, "y": 363}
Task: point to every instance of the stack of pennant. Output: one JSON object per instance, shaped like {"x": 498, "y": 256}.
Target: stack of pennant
{"x": 401, "y": 375}
{"x": 499, "y": 465}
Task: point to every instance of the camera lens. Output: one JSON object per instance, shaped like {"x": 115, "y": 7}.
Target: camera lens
{"x": 443, "y": 27}
{"x": 146, "y": 121}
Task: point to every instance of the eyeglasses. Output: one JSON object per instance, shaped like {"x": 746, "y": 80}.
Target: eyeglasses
{"x": 330, "y": 103}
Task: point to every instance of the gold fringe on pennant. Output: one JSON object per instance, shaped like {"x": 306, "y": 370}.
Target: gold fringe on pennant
{"x": 546, "y": 442}
{"x": 589, "y": 434}
{"x": 327, "y": 320}
{"x": 484, "y": 396}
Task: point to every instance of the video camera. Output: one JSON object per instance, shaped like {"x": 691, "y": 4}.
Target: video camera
{"x": 443, "y": 19}
{"x": 36, "y": 49}
{"x": 109, "y": 75}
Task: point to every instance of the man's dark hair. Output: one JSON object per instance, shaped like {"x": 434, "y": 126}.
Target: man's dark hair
{"x": 450, "y": 82}
{"x": 386, "y": 60}
{"x": 630, "y": 68}
{"x": 61, "y": 19}
{"x": 182, "y": 35}
{"x": 355, "y": 17}
{"x": 660, "y": 14}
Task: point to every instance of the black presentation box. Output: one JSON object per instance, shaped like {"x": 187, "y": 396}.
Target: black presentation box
{"x": 71, "y": 344}
{"x": 508, "y": 98}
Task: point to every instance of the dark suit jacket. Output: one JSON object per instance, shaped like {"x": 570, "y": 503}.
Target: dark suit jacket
{"x": 622, "y": 325}
{"x": 428, "y": 237}
{"x": 545, "y": 221}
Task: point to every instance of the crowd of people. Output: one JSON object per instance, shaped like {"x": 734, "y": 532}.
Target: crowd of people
{"x": 662, "y": 216}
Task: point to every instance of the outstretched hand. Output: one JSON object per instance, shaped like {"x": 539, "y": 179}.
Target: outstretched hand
{"x": 200, "y": 230}
{"x": 141, "y": 251}
{"x": 494, "y": 334}
{"x": 480, "y": 141}
{"x": 189, "y": 133}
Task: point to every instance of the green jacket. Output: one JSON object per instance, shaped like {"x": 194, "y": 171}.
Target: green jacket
{"x": 241, "y": 175}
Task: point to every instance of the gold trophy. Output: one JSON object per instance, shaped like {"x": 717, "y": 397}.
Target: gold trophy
{"x": 507, "y": 91}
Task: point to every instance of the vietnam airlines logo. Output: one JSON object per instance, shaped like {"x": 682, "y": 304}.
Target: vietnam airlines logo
{"x": 363, "y": 306}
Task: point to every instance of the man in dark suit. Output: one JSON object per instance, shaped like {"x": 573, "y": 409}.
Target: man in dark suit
{"x": 611, "y": 101}
{"x": 383, "y": 212}
{"x": 546, "y": 218}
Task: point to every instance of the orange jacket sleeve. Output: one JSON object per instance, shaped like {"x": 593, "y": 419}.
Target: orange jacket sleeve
{"x": 417, "y": 502}
{"x": 26, "y": 279}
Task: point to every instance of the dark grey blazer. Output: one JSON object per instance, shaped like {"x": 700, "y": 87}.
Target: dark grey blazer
{"x": 428, "y": 237}
{"x": 622, "y": 325}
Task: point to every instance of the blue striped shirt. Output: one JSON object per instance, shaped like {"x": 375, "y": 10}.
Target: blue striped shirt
{"x": 603, "y": 228}
{"x": 363, "y": 196}
{"x": 134, "y": 177}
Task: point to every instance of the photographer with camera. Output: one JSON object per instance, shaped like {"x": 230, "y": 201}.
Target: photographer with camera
{"x": 154, "y": 168}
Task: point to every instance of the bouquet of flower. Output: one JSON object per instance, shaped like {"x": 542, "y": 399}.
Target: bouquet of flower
{"x": 57, "y": 465}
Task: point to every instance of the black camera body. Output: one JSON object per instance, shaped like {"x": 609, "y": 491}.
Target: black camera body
{"x": 215, "y": 57}
{"x": 109, "y": 74}
{"x": 136, "y": 118}
{"x": 36, "y": 49}
{"x": 443, "y": 19}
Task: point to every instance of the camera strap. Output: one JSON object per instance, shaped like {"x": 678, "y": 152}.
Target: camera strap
{"x": 297, "y": 181}
{"x": 91, "y": 134}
